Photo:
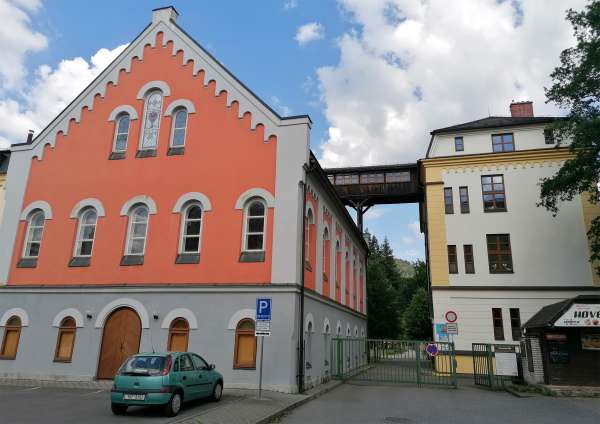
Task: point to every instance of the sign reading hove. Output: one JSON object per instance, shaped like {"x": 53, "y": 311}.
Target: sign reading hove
{"x": 580, "y": 315}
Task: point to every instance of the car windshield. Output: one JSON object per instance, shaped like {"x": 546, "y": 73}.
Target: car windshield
{"x": 143, "y": 365}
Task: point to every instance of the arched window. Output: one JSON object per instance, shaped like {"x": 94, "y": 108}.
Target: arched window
{"x": 179, "y": 332}
{"x": 191, "y": 229}
{"x": 326, "y": 261}
{"x": 33, "y": 239}
{"x": 10, "y": 342}
{"x": 255, "y": 223}
{"x": 309, "y": 221}
{"x": 86, "y": 233}
{"x": 152, "y": 115}
{"x": 245, "y": 345}
{"x": 179, "y": 126}
{"x": 65, "y": 341}
{"x": 137, "y": 231}
{"x": 308, "y": 346}
{"x": 327, "y": 342}
{"x": 338, "y": 269}
{"x": 121, "y": 133}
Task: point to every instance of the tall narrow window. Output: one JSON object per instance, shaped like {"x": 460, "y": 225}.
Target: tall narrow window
{"x": 499, "y": 253}
{"x": 503, "y": 143}
{"x": 179, "y": 128}
{"x": 65, "y": 341}
{"x": 10, "y": 342}
{"x": 86, "y": 233}
{"x": 121, "y": 133}
{"x": 178, "y": 335}
{"x": 309, "y": 221}
{"x": 498, "y": 324}
{"x": 152, "y": 115}
{"x": 137, "y": 232}
{"x": 254, "y": 238}
{"x": 326, "y": 258}
{"x": 494, "y": 197}
{"x": 548, "y": 136}
{"x": 337, "y": 269}
{"x": 515, "y": 323}
{"x": 464, "y": 199}
{"x": 190, "y": 230}
{"x": 459, "y": 145}
{"x": 448, "y": 201}
{"x": 35, "y": 231}
{"x": 469, "y": 261}
{"x": 245, "y": 345}
{"x": 452, "y": 259}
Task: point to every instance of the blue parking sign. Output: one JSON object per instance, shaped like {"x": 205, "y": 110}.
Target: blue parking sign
{"x": 263, "y": 309}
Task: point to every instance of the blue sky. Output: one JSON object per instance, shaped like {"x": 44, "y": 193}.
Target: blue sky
{"x": 374, "y": 75}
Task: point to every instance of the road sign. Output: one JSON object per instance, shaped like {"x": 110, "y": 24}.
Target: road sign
{"x": 452, "y": 328}
{"x": 431, "y": 349}
{"x": 442, "y": 332}
{"x": 451, "y": 316}
{"x": 263, "y": 328}
{"x": 263, "y": 309}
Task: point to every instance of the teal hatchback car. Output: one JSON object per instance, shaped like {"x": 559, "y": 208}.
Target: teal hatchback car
{"x": 166, "y": 379}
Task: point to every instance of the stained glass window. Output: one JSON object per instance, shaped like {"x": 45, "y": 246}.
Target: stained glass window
{"x": 152, "y": 120}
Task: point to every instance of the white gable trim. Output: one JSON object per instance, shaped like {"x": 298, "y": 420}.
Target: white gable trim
{"x": 184, "y": 103}
{"x": 146, "y": 200}
{"x": 123, "y": 109}
{"x": 255, "y": 192}
{"x": 192, "y": 196}
{"x": 91, "y": 202}
{"x": 38, "y": 204}
{"x": 153, "y": 85}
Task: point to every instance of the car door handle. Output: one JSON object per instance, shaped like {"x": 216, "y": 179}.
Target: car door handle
{"x": 184, "y": 378}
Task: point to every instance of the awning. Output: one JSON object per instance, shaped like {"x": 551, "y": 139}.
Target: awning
{"x": 580, "y": 311}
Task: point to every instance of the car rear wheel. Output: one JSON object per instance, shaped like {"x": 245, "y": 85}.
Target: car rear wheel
{"x": 217, "y": 392}
{"x": 173, "y": 407}
{"x": 118, "y": 408}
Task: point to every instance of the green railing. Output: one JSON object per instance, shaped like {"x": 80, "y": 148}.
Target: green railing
{"x": 484, "y": 365}
{"x": 394, "y": 361}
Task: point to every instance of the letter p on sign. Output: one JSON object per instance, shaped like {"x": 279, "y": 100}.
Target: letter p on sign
{"x": 263, "y": 309}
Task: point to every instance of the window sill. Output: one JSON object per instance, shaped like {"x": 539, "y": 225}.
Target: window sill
{"x": 116, "y": 156}
{"x": 63, "y": 361}
{"x": 252, "y": 257}
{"x": 7, "y": 358}
{"x": 176, "y": 151}
{"x": 146, "y": 153}
{"x": 502, "y": 272}
{"x": 79, "y": 261}
{"x": 27, "y": 263}
{"x": 129, "y": 260}
{"x": 188, "y": 258}
{"x": 495, "y": 210}
{"x": 249, "y": 368}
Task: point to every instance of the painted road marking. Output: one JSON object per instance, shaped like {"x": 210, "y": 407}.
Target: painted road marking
{"x": 94, "y": 393}
{"x": 29, "y": 389}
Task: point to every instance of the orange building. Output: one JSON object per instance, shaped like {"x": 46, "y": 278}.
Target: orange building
{"x": 169, "y": 196}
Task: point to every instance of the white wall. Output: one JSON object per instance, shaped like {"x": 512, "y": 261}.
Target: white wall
{"x": 2, "y": 191}
{"x": 546, "y": 250}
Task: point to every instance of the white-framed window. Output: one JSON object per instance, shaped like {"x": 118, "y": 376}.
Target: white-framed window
{"x": 179, "y": 126}
{"x": 191, "y": 229}
{"x": 86, "y": 233}
{"x": 152, "y": 116}
{"x": 121, "y": 133}
{"x": 35, "y": 231}
{"x": 137, "y": 230}
{"x": 309, "y": 221}
{"x": 255, "y": 222}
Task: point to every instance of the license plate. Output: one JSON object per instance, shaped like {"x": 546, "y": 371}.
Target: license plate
{"x": 129, "y": 396}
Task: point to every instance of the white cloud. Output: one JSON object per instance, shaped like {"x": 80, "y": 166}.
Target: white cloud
{"x": 374, "y": 213}
{"x": 407, "y": 67}
{"x": 282, "y": 109}
{"x": 415, "y": 228}
{"x": 309, "y": 32}
{"x": 51, "y": 90}
{"x": 290, "y": 4}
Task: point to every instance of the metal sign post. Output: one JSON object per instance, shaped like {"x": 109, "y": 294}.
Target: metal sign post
{"x": 262, "y": 330}
{"x": 262, "y": 347}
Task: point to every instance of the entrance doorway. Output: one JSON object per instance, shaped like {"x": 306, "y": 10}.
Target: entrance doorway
{"x": 120, "y": 339}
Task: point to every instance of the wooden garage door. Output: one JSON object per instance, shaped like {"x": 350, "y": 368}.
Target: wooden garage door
{"x": 120, "y": 339}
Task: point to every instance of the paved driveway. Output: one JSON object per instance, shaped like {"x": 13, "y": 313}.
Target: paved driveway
{"x": 377, "y": 404}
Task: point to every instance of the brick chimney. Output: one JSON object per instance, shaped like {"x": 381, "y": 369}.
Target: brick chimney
{"x": 521, "y": 109}
{"x": 30, "y": 136}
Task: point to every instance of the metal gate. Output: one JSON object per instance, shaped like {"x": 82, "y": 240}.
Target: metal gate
{"x": 485, "y": 372}
{"x": 394, "y": 361}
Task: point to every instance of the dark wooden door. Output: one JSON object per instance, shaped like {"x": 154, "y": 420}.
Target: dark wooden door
{"x": 120, "y": 339}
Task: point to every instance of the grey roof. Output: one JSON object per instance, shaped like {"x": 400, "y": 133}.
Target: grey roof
{"x": 4, "y": 159}
{"x": 496, "y": 121}
{"x": 546, "y": 316}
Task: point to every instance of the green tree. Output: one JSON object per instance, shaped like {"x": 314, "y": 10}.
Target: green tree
{"x": 576, "y": 88}
{"x": 415, "y": 319}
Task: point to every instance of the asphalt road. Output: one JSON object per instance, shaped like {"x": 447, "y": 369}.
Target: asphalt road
{"x": 407, "y": 404}
{"x": 24, "y": 405}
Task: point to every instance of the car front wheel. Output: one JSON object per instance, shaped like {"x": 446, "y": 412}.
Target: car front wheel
{"x": 173, "y": 407}
{"x": 118, "y": 408}
{"x": 217, "y": 392}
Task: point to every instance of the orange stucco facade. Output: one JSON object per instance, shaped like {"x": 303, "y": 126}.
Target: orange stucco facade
{"x": 223, "y": 158}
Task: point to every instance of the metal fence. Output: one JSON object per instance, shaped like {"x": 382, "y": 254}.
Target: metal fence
{"x": 489, "y": 369}
{"x": 394, "y": 361}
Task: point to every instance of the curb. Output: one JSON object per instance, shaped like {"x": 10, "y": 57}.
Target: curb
{"x": 301, "y": 402}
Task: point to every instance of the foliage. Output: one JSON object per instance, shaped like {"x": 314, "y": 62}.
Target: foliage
{"x": 415, "y": 318}
{"x": 576, "y": 87}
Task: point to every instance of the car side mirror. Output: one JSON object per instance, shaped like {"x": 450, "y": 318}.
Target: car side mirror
{"x": 211, "y": 367}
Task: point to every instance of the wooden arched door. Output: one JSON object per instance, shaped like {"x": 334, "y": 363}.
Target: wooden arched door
{"x": 120, "y": 339}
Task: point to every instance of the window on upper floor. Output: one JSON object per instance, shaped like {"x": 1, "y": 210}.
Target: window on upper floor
{"x": 121, "y": 133}
{"x": 497, "y": 324}
{"x": 452, "y": 259}
{"x": 152, "y": 117}
{"x": 86, "y": 233}
{"x": 338, "y": 264}
{"x": 549, "y": 136}
{"x": 254, "y": 227}
{"x": 33, "y": 237}
{"x": 326, "y": 254}
{"x": 179, "y": 126}
{"x": 459, "y": 144}
{"x": 345, "y": 179}
{"x": 448, "y": 201}
{"x": 397, "y": 177}
{"x": 503, "y": 143}
{"x": 494, "y": 196}
{"x": 191, "y": 227}
{"x": 309, "y": 221}
{"x": 463, "y": 193}
{"x": 469, "y": 260}
{"x": 372, "y": 178}
{"x": 137, "y": 231}
{"x": 499, "y": 253}
{"x": 515, "y": 323}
